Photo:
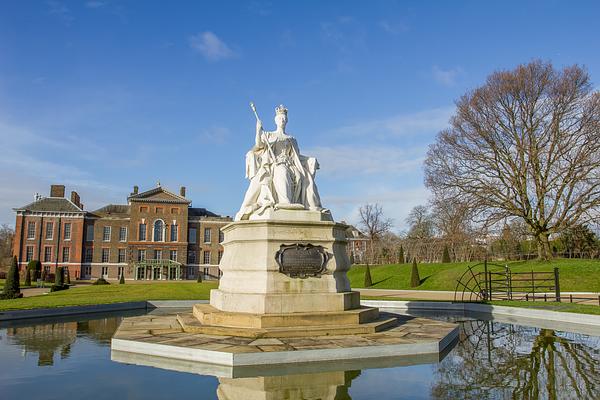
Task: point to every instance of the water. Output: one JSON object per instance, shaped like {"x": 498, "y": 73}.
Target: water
{"x": 70, "y": 358}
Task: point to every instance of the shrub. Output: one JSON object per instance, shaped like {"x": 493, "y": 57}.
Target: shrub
{"x": 44, "y": 276}
{"x": 59, "y": 279}
{"x": 415, "y": 280}
{"x": 11, "y": 286}
{"x": 368, "y": 279}
{"x": 101, "y": 281}
{"x": 122, "y": 280}
{"x": 35, "y": 266}
{"x": 56, "y": 288}
{"x": 27, "y": 277}
{"x": 446, "y": 255}
{"x": 199, "y": 280}
{"x": 401, "y": 255}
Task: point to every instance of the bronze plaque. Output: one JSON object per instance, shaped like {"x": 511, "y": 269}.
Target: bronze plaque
{"x": 302, "y": 260}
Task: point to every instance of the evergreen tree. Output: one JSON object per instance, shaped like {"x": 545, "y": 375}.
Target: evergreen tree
{"x": 11, "y": 286}
{"x": 199, "y": 280}
{"x": 35, "y": 266}
{"x": 68, "y": 277}
{"x": 401, "y": 255}
{"x": 27, "y": 277}
{"x": 446, "y": 255}
{"x": 122, "y": 279}
{"x": 59, "y": 279}
{"x": 368, "y": 279}
{"x": 415, "y": 280}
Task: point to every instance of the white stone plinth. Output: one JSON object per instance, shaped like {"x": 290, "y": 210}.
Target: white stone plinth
{"x": 251, "y": 281}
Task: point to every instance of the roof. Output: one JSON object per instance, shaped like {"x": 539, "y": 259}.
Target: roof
{"x": 158, "y": 195}
{"x": 51, "y": 204}
{"x": 200, "y": 212}
{"x": 353, "y": 232}
{"x": 113, "y": 210}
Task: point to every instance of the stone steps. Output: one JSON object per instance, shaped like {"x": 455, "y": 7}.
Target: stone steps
{"x": 208, "y": 315}
{"x": 191, "y": 324}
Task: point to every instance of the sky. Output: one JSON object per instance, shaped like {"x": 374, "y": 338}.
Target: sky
{"x": 102, "y": 95}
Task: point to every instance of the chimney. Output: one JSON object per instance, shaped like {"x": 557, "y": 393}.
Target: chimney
{"x": 57, "y": 190}
{"x": 136, "y": 189}
{"x": 182, "y": 191}
{"x": 75, "y": 199}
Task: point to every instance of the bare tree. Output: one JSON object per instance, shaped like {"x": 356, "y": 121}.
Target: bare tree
{"x": 374, "y": 224}
{"x": 420, "y": 223}
{"x": 6, "y": 242}
{"x": 527, "y": 145}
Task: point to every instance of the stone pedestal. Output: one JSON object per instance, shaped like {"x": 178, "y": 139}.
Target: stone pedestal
{"x": 252, "y": 281}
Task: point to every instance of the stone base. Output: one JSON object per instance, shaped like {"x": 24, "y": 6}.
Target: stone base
{"x": 163, "y": 336}
{"x": 273, "y": 303}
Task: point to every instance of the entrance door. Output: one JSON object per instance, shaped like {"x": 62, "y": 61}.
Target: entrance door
{"x": 156, "y": 274}
{"x": 172, "y": 274}
{"x": 105, "y": 272}
{"x": 140, "y": 273}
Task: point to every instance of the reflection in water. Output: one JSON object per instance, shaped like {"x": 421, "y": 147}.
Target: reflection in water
{"x": 492, "y": 360}
{"x": 496, "y": 360}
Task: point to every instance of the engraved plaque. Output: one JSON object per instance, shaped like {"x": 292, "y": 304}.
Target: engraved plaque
{"x": 301, "y": 260}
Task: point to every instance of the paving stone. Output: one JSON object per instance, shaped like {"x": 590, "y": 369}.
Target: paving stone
{"x": 264, "y": 342}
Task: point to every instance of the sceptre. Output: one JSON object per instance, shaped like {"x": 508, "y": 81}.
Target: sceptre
{"x": 253, "y": 107}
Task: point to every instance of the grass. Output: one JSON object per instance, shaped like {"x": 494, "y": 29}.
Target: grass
{"x": 575, "y": 275}
{"x": 113, "y": 293}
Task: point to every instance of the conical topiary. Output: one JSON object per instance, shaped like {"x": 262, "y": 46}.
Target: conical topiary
{"x": 446, "y": 255}
{"x": 12, "y": 285}
{"x": 415, "y": 280}
{"x": 199, "y": 280}
{"x": 27, "y": 277}
{"x": 368, "y": 279}
{"x": 401, "y": 255}
{"x": 122, "y": 279}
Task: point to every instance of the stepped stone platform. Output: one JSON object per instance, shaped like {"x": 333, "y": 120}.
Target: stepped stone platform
{"x": 177, "y": 337}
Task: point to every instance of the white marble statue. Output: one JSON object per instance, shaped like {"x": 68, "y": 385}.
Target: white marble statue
{"x": 280, "y": 177}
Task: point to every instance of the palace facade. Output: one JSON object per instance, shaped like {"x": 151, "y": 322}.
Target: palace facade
{"x": 157, "y": 235}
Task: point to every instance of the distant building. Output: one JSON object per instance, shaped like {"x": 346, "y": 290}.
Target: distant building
{"x": 357, "y": 244}
{"x": 157, "y": 235}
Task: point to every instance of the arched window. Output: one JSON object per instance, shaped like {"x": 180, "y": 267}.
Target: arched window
{"x": 159, "y": 231}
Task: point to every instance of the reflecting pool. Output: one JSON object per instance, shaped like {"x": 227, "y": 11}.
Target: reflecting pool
{"x": 70, "y": 358}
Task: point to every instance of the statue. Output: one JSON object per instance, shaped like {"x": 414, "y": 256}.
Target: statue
{"x": 280, "y": 177}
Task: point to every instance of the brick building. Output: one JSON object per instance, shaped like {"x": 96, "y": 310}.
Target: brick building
{"x": 157, "y": 235}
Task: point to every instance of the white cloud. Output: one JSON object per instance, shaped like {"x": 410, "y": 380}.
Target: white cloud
{"x": 428, "y": 121}
{"x": 362, "y": 160}
{"x": 394, "y": 28}
{"x": 447, "y": 77}
{"x": 210, "y": 46}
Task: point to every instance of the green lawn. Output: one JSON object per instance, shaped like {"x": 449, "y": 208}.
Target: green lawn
{"x": 575, "y": 275}
{"x": 113, "y": 293}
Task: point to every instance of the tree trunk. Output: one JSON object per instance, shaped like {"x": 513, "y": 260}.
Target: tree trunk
{"x": 543, "y": 246}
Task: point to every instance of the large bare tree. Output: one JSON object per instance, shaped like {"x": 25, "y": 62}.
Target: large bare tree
{"x": 526, "y": 144}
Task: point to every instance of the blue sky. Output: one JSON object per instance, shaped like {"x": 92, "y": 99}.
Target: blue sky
{"x": 102, "y": 95}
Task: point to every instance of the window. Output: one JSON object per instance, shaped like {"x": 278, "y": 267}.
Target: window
{"x": 192, "y": 235}
{"x": 123, "y": 234}
{"x": 207, "y": 257}
{"x": 31, "y": 230}
{"x": 221, "y": 236}
{"x": 105, "y": 256}
{"x": 142, "y": 235}
{"x": 47, "y": 254}
{"x": 47, "y": 270}
{"x": 191, "y": 257}
{"x": 49, "y": 230}
{"x": 89, "y": 233}
{"x": 143, "y": 209}
{"x": 89, "y": 254}
{"x": 175, "y": 210}
{"x": 67, "y": 231}
{"x": 29, "y": 253}
{"x": 206, "y": 235}
{"x": 159, "y": 210}
{"x": 106, "y": 234}
{"x": 141, "y": 255}
{"x": 173, "y": 255}
{"x": 121, "y": 271}
{"x": 220, "y": 255}
{"x": 206, "y": 273}
{"x": 174, "y": 233}
{"x": 65, "y": 254}
{"x": 158, "y": 254}
{"x": 105, "y": 272}
{"x": 121, "y": 255}
{"x": 159, "y": 231}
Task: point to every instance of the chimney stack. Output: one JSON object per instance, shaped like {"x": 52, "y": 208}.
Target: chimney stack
{"x": 57, "y": 190}
{"x": 182, "y": 191}
{"x": 75, "y": 199}
{"x": 135, "y": 189}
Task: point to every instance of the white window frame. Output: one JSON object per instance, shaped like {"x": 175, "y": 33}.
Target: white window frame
{"x": 163, "y": 233}
{"x": 205, "y": 256}
{"x": 49, "y": 258}
{"x": 141, "y": 255}
{"x": 30, "y": 232}
{"x": 67, "y": 232}
{"x": 51, "y": 236}
{"x": 66, "y": 251}
{"x": 121, "y": 272}
{"x": 158, "y": 254}
{"x": 145, "y": 232}
{"x": 171, "y": 252}
{"x": 121, "y": 252}
{"x": 28, "y": 256}
{"x": 174, "y": 233}
{"x": 207, "y": 238}
{"x": 104, "y": 233}
{"x": 104, "y": 275}
{"x": 122, "y": 236}
{"x": 89, "y": 259}
{"x": 107, "y": 257}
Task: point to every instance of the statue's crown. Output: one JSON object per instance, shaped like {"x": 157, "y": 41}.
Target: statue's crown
{"x": 280, "y": 109}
